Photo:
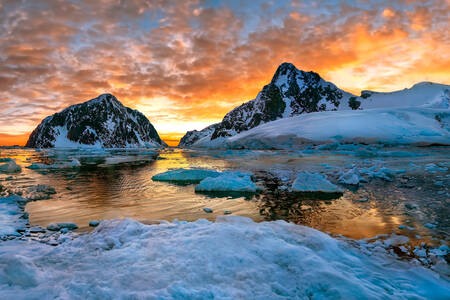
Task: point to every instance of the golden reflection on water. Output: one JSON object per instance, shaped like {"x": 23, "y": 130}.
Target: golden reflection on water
{"x": 127, "y": 191}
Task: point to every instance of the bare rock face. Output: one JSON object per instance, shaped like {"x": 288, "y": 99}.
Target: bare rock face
{"x": 193, "y": 136}
{"x": 102, "y": 122}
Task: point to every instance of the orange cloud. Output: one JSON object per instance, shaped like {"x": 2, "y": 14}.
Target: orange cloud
{"x": 185, "y": 64}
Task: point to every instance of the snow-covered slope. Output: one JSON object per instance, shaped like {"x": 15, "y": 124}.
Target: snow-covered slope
{"x": 415, "y": 125}
{"x": 293, "y": 92}
{"x": 102, "y": 122}
{"x": 421, "y": 94}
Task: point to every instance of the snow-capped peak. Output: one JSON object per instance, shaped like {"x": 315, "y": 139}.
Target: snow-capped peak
{"x": 102, "y": 122}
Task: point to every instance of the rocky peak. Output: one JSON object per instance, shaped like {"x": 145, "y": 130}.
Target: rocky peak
{"x": 291, "y": 92}
{"x": 102, "y": 122}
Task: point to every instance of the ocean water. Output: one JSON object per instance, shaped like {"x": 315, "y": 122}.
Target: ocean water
{"x": 117, "y": 184}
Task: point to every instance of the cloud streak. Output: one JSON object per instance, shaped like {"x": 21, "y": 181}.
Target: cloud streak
{"x": 186, "y": 63}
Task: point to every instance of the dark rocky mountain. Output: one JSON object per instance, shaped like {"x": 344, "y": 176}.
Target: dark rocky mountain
{"x": 291, "y": 92}
{"x": 193, "y": 136}
{"x": 102, "y": 122}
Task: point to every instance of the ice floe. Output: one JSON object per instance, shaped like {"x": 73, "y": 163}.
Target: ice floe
{"x": 185, "y": 175}
{"x": 314, "y": 182}
{"x": 72, "y": 164}
{"x": 9, "y": 166}
{"x": 228, "y": 182}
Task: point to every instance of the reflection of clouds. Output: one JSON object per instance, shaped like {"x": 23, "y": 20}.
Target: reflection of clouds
{"x": 205, "y": 58}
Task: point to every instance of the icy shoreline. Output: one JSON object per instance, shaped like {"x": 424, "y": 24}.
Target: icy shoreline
{"x": 227, "y": 259}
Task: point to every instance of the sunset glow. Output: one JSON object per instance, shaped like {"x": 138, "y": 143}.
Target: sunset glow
{"x": 185, "y": 64}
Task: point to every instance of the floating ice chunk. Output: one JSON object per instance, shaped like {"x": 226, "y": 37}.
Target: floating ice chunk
{"x": 37, "y": 229}
{"x": 121, "y": 159}
{"x": 94, "y": 223}
{"x": 433, "y": 168}
{"x": 72, "y": 164}
{"x": 351, "y": 177}
{"x": 314, "y": 182}
{"x": 10, "y": 166}
{"x": 59, "y": 226}
{"x": 228, "y": 182}
{"x": 185, "y": 175}
{"x": 39, "y": 192}
{"x": 439, "y": 183}
{"x": 430, "y": 226}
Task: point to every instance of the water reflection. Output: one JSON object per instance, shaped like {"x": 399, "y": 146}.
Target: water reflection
{"x": 100, "y": 190}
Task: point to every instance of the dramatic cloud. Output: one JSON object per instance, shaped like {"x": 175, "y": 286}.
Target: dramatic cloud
{"x": 186, "y": 63}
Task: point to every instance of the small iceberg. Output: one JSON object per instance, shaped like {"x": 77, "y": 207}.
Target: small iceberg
{"x": 228, "y": 182}
{"x": 351, "y": 177}
{"x": 9, "y": 166}
{"x": 314, "y": 183}
{"x": 59, "y": 226}
{"x": 74, "y": 163}
{"x": 185, "y": 175}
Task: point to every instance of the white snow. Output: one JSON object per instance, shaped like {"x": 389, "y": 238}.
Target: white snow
{"x": 421, "y": 94}
{"x": 373, "y": 126}
{"x": 232, "y": 258}
{"x": 10, "y": 215}
{"x": 228, "y": 182}
{"x": 314, "y": 182}
{"x": 185, "y": 175}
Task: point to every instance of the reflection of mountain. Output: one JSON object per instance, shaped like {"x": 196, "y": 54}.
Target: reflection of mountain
{"x": 102, "y": 122}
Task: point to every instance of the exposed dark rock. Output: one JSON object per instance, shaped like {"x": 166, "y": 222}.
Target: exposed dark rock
{"x": 102, "y": 122}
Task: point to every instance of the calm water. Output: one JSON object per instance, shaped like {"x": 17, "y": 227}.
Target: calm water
{"x": 99, "y": 190}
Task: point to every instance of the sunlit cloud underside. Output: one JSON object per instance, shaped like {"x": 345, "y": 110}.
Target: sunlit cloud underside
{"x": 184, "y": 64}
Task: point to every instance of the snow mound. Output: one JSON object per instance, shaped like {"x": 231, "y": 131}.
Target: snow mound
{"x": 185, "y": 175}
{"x": 314, "y": 182}
{"x": 232, "y": 258}
{"x": 228, "y": 182}
{"x": 10, "y": 166}
{"x": 399, "y": 126}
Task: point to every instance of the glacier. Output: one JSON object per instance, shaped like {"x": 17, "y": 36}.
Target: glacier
{"x": 400, "y": 126}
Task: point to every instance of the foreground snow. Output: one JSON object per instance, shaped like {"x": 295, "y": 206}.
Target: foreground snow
{"x": 399, "y": 126}
{"x": 232, "y": 258}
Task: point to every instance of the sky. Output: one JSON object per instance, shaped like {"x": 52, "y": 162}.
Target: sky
{"x": 186, "y": 63}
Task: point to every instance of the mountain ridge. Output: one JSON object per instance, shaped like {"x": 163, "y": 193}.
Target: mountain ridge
{"x": 292, "y": 92}
{"x": 102, "y": 122}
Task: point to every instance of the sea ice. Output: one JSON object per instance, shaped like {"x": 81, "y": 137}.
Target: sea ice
{"x": 351, "y": 177}
{"x": 185, "y": 175}
{"x": 314, "y": 182}
{"x": 72, "y": 164}
{"x": 10, "y": 166}
{"x": 228, "y": 182}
